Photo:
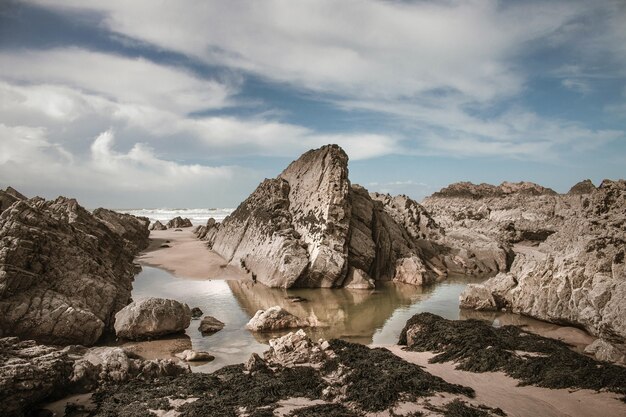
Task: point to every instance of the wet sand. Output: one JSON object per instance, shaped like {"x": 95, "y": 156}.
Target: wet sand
{"x": 186, "y": 257}
{"x": 495, "y": 389}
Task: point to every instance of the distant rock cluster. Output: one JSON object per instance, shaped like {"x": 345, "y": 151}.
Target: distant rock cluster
{"x": 176, "y": 223}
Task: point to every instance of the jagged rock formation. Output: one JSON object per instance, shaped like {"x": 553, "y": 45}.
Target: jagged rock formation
{"x": 583, "y": 187}
{"x": 8, "y": 197}
{"x": 152, "y": 317}
{"x": 64, "y": 272}
{"x": 569, "y": 254}
{"x": 31, "y": 373}
{"x": 177, "y": 222}
{"x": 311, "y": 228}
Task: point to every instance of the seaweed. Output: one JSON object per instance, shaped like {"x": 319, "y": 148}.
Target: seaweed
{"x": 326, "y": 410}
{"x": 377, "y": 378}
{"x": 478, "y": 347}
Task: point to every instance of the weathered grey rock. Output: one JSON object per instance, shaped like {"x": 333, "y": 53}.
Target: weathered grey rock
{"x": 574, "y": 275}
{"x": 275, "y": 318}
{"x": 178, "y": 222}
{"x": 583, "y": 187}
{"x": 64, "y": 272}
{"x": 31, "y": 373}
{"x": 157, "y": 225}
{"x": 311, "y": 228}
{"x": 210, "y": 325}
{"x": 8, "y": 197}
{"x": 606, "y": 351}
{"x": 191, "y": 355}
{"x": 295, "y": 348}
{"x": 151, "y": 318}
{"x": 358, "y": 279}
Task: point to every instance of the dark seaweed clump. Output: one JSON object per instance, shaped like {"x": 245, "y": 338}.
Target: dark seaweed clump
{"x": 479, "y": 347}
{"x": 378, "y": 378}
{"x": 326, "y": 410}
{"x": 219, "y": 394}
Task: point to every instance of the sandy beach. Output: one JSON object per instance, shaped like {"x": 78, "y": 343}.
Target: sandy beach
{"x": 497, "y": 390}
{"x": 183, "y": 255}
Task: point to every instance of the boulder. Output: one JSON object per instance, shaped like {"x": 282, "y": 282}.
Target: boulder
{"x": 152, "y": 318}
{"x": 190, "y": 355}
{"x": 274, "y": 318}
{"x": 358, "y": 279}
{"x": 210, "y": 325}
{"x": 606, "y": 351}
{"x": 178, "y": 222}
{"x": 157, "y": 225}
{"x": 65, "y": 272}
{"x": 294, "y": 348}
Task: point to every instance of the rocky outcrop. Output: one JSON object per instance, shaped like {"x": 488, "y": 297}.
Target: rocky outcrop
{"x": 178, "y": 222}
{"x": 31, "y": 373}
{"x": 151, "y": 318}
{"x": 474, "y": 191}
{"x": 8, "y": 197}
{"x": 64, "y": 272}
{"x": 275, "y": 318}
{"x": 311, "y": 228}
{"x": 569, "y": 255}
{"x": 583, "y": 187}
{"x": 157, "y": 225}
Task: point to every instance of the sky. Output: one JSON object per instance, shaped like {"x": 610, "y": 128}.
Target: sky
{"x": 191, "y": 103}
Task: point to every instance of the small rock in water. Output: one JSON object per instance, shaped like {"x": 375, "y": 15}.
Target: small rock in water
{"x": 296, "y": 299}
{"x": 274, "y": 318}
{"x": 152, "y": 317}
{"x": 164, "y": 246}
{"x": 196, "y": 313}
{"x": 190, "y": 355}
{"x": 210, "y": 325}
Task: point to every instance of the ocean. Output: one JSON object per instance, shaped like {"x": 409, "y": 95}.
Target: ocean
{"x": 198, "y": 216}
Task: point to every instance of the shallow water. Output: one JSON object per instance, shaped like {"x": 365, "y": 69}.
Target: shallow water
{"x": 368, "y": 317}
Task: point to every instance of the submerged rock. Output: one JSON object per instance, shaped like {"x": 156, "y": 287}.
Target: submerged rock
{"x": 178, "y": 222}
{"x": 210, "y": 325}
{"x": 65, "y": 272}
{"x": 190, "y": 355}
{"x": 275, "y": 318}
{"x": 152, "y": 317}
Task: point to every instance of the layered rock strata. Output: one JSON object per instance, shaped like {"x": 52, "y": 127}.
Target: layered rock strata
{"x": 310, "y": 227}
{"x": 65, "y": 272}
{"x": 569, "y": 249}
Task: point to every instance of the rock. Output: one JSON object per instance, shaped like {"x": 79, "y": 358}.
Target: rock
{"x": 210, "y": 325}
{"x": 178, "y": 222}
{"x": 568, "y": 265}
{"x": 311, "y": 228}
{"x": 65, "y": 272}
{"x": 604, "y": 350}
{"x": 294, "y": 348}
{"x": 255, "y": 364}
{"x": 274, "y": 318}
{"x": 151, "y": 318}
{"x": 31, "y": 373}
{"x": 190, "y": 355}
{"x": 8, "y": 197}
{"x": 583, "y": 187}
{"x": 157, "y": 225}
{"x": 196, "y": 313}
{"x": 358, "y": 279}
{"x": 117, "y": 365}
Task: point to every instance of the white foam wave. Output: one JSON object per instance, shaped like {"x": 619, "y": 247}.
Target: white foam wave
{"x": 197, "y": 216}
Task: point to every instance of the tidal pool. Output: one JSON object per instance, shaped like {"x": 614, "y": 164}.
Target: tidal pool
{"x": 362, "y": 316}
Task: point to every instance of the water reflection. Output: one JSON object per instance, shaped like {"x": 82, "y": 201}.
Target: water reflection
{"x": 360, "y": 316}
{"x": 353, "y": 315}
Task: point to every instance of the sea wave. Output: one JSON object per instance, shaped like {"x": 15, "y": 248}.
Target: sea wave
{"x": 197, "y": 216}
